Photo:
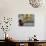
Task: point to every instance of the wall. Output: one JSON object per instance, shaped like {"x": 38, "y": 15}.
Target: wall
{"x": 11, "y": 8}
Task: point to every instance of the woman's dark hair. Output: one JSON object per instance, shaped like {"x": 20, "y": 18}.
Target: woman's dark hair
{"x": 20, "y": 22}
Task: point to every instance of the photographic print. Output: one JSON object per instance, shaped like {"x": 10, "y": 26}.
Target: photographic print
{"x": 26, "y": 19}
